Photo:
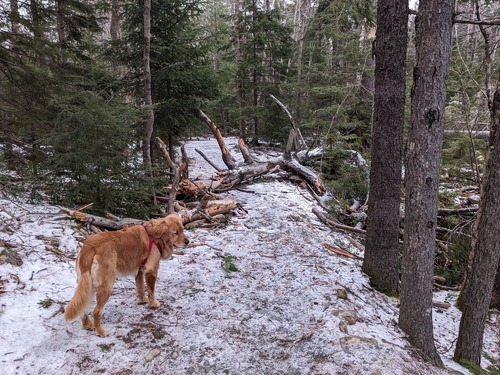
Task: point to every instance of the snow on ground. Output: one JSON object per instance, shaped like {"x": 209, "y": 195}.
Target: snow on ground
{"x": 292, "y": 307}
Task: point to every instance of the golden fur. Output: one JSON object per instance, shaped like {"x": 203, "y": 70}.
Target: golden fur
{"x": 108, "y": 255}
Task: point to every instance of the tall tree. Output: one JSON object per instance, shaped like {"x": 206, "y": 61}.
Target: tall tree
{"x": 433, "y": 53}
{"x": 148, "y": 100}
{"x": 240, "y": 75}
{"x": 382, "y": 248}
{"x": 334, "y": 60}
{"x": 115, "y": 20}
{"x": 476, "y": 295}
{"x": 264, "y": 49}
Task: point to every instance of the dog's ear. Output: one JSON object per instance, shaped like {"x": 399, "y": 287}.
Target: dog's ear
{"x": 160, "y": 230}
{"x": 155, "y": 228}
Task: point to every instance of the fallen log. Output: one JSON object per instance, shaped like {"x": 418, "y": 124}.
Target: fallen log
{"x": 207, "y": 210}
{"x": 100, "y": 221}
{"x": 457, "y": 211}
{"x": 310, "y": 176}
{"x": 335, "y": 225}
{"x": 211, "y": 209}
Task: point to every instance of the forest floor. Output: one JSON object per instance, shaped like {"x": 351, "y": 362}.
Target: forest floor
{"x": 260, "y": 296}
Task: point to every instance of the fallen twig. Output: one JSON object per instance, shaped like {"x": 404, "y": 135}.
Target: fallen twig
{"x": 339, "y": 251}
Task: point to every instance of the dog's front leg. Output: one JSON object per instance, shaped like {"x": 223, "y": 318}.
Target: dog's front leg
{"x": 150, "y": 283}
{"x": 139, "y": 285}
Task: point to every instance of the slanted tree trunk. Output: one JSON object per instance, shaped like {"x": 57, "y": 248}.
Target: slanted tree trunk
{"x": 433, "y": 52}
{"x": 226, "y": 154}
{"x": 478, "y": 288}
{"x": 382, "y": 234}
{"x": 295, "y": 140}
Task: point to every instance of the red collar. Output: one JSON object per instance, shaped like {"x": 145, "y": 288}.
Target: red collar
{"x": 150, "y": 246}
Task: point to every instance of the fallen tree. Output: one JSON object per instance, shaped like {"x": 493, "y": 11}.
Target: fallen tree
{"x": 209, "y": 209}
{"x": 251, "y": 169}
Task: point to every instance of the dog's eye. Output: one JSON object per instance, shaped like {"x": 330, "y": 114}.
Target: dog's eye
{"x": 176, "y": 232}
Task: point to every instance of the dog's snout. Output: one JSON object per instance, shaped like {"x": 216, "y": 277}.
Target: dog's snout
{"x": 186, "y": 241}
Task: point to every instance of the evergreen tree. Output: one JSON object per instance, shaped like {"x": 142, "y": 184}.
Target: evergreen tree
{"x": 336, "y": 56}
{"x": 92, "y": 160}
{"x": 265, "y": 49}
{"x": 182, "y": 76}
{"x": 35, "y": 66}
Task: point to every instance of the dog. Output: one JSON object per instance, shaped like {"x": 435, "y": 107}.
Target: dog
{"x": 136, "y": 250}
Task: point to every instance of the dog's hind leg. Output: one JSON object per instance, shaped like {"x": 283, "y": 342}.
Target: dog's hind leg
{"x": 105, "y": 277}
{"x": 102, "y": 296}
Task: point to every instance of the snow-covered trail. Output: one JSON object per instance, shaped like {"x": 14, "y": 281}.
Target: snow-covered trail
{"x": 260, "y": 296}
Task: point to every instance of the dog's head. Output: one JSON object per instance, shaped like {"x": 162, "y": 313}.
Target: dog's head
{"x": 169, "y": 231}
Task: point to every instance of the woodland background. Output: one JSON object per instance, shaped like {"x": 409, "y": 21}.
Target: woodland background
{"x": 84, "y": 89}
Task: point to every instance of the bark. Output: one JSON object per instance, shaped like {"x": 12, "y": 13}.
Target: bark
{"x": 335, "y": 225}
{"x": 311, "y": 177}
{"x": 237, "y": 57}
{"x": 61, "y": 32}
{"x": 382, "y": 249}
{"x": 148, "y": 100}
{"x": 14, "y": 16}
{"x": 295, "y": 140}
{"x": 245, "y": 151}
{"x": 177, "y": 172}
{"x": 115, "y": 19}
{"x": 109, "y": 223}
{"x": 457, "y": 211}
{"x": 226, "y": 154}
{"x": 212, "y": 208}
{"x": 208, "y": 160}
{"x": 433, "y": 52}
{"x": 478, "y": 288}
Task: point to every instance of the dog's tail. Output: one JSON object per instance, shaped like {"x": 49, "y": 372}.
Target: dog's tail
{"x": 80, "y": 302}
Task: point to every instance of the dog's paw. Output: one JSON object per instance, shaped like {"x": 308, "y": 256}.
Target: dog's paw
{"x": 87, "y": 323}
{"x": 155, "y": 304}
{"x": 102, "y": 332}
{"x": 142, "y": 301}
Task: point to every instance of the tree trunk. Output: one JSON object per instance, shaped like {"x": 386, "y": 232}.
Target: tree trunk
{"x": 226, "y": 154}
{"x": 433, "y": 52}
{"x": 61, "y": 33}
{"x": 237, "y": 57}
{"x": 115, "y": 18}
{"x": 382, "y": 249}
{"x": 14, "y": 16}
{"x": 478, "y": 288}
{"x": 148, "y": 100}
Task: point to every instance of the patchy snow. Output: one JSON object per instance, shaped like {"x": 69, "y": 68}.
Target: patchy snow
{"x": 292, "y": 307}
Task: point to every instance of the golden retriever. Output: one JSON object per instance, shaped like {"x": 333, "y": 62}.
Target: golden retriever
{"x": 136, "y": 250}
